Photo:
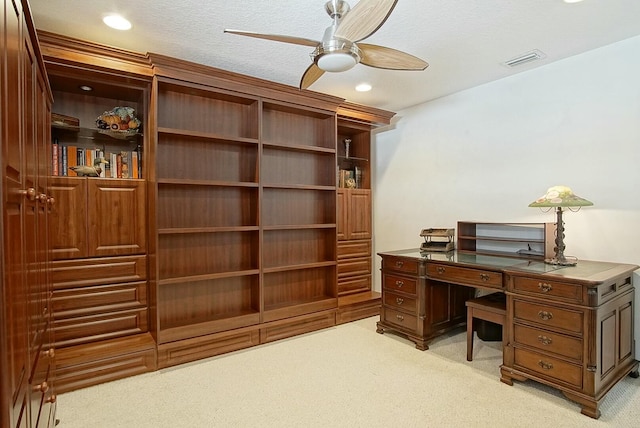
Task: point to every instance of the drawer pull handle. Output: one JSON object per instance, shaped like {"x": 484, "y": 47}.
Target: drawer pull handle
{"x": 545, "y": 366}
{"x": 400, "y": 317}
{"x": 544, "y": 287}
{"x": 399, "y": 283}
{"x": 399, "y": 300}
{"x": 440, "y": 270}
{"x": 399, "y": 263}
{"x": 484, "y": 277}
{"x": 545, "y": 340}
{"x": 544, "y": 315}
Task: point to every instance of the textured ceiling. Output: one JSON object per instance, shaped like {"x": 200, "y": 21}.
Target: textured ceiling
{"x": 465, "y": 42}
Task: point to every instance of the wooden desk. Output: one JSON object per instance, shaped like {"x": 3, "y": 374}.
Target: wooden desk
{"x": 567, "y": 327}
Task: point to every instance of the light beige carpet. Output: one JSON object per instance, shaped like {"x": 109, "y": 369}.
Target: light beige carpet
{"x": 346, "y": 376}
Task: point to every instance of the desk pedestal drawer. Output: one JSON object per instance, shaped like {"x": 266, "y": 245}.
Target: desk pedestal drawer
{"x": 400, "y": 302}
{"x": 401, "y": 319}
{"x": 549, "y": 316}
{"x": 549, "y": 367}
{"x": 548, "y": 341}
{"x": 400, "y": 283}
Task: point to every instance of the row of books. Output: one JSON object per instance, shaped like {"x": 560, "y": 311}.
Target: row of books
{"x": 121, "y": 164}
{"x": 350, "y": 178}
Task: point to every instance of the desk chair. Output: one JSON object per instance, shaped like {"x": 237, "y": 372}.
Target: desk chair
{"x": 492, "y": 308}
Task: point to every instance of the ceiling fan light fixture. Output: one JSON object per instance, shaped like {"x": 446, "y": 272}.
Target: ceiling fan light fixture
{"x": 336, "y": 62}
{"x": 336, "y": 55}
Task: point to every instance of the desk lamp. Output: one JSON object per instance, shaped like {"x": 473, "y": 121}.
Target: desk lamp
{"x": 560, "y": 197}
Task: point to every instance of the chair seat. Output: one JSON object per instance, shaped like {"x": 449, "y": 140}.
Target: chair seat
{"x": 492, "y": 308}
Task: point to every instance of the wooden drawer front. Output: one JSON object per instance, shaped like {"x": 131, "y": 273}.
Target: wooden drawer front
{"x": 351, "y": 249}
{"x": 354, "y": 285}
{"x": 400, "y": 264}
{"x": 460, "y": 275}
{"x": 100, "y": 298}
{"x": 74, "y": 331}
{"x": 401, "y": 319}
{"x": 400, "y": 283}
{"x": 552, "y": 289}
{"x": 549, "y": 367}
{"x": 354, "y": 267}
{"x": 105, "y": 270}
{"x": 549, "y": 316}
{"x": 548, "y": 341}
{"x": 402, "y": 303}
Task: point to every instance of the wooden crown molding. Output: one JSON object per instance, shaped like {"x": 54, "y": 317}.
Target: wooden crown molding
{"x": 67, "y": 50}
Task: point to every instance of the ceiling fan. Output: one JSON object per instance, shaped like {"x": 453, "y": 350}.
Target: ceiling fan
{"x": 338, "y": 50}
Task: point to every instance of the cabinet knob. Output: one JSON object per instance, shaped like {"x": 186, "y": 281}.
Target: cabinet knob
{"x": 52, "y": 399}
{"x": 400, "y": 317}
{"x": 51, "y": 200}
{"x": 42, "y": 198}
{"x": 49, "y": 353}
{"x": 399, "y": 300}
{"x": 545, "y": 366}
{"x": 43, "y": 387}
{"x": 544, "y": 315}
{"x": 30, "y": 193}
{"x": 399, "y": 283}
{"x": 440, "y": 269}
{"x": 544, "y": 287}
{"x": 399, "y": 263}
{"x": 484, "y": 277}
{"x": 545, "y": 340}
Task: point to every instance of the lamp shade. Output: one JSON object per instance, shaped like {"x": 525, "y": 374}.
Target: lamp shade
{"x": 560, "y": 196}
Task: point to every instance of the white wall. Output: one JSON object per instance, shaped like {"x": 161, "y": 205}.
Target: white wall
{"x": 485, "y": 153}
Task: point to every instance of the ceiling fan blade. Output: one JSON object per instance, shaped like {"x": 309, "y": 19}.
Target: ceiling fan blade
{"x": 364, "y": 19}
{"x": 277, "y": 38}
{"x": 392, "y": 59}
{"x": 311, "y": 74}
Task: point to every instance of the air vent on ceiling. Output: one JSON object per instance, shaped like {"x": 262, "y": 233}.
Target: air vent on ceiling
{"x": 525, "y": 58}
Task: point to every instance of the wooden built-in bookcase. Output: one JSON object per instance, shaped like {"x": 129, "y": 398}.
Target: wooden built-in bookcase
{"x": 245, "y": 214}
{"x": 207, "y": 211}
{"x": 228, "y": 238}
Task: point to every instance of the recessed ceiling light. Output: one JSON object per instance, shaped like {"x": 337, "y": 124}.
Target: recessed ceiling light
{"x": 363, "y": 87}
{"x": 572, "y": 1}
{"x": 117, "y": 22}
{"x": 86, "y": 88}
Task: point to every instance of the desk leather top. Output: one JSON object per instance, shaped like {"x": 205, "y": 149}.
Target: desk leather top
{"x": 586, "y": 270}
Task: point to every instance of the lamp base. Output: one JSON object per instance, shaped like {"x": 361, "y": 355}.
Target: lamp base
{"x": 561, "y": 262}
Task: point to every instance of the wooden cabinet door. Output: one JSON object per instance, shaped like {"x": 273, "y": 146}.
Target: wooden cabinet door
{"x": 359, "y": 214}
{"x": 116, "y": 217}
{"x": 68, "y": 220}
{"x": 341, "y": 227}
{"x": 354, "y": 214}
{"x": 16, "y": 199}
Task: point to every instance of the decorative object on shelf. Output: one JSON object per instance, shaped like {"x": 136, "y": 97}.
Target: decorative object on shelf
{"x": 350, "y": 183}
{"x": 559, "y": 197}
{"x": 347, "y": 144}
{"x": 88, "y": 170}
{"x": 120, "y": 122}
{"x": 437, "y": 239}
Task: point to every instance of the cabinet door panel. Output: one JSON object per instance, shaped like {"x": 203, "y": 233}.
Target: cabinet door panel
{"x": 359, "y": 206}
{"x": 68, "y": 219}
{"x": 116, "y": 215}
